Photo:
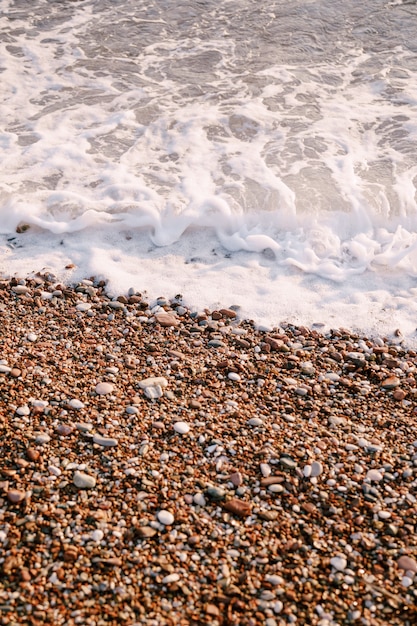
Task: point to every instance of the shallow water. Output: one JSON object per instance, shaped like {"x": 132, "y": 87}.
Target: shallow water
{"x": 278, "y": 137}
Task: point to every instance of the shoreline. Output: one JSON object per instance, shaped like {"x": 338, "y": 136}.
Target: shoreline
{"x": 165, "y": 467}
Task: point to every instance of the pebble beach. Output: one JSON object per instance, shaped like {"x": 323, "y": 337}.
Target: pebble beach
{"x": 167, "y": 466}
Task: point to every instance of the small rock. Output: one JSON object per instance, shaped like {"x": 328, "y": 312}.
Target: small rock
{"x": 265, "y": 470}
{"x": 165, "y": 517}
{"x": 255, "y": 421}
{"x": 171, "y": 578}
{"x": 103, "y": 388}
{"x": 42, "y": 438}
{"x": 181, "y": 428}
{"x": 236, "y": 479}
{"x": 146, "y": 532}
{"x": 407, "y": 563}
{"x": 97, "y": 535}
{"x": 83, "y": 306}
{"x": 399, "y": 394}
{"x": 339, "y": 563}
{"x": 233, "y": 376}
{"x": 316, "y": 469}
{"x": 84, "y": 481}
{"x": 16, "y": 495}
{"x": 229, "y": 313}
{"x": 64, "y": 430}
{"x": 287, "y": 462}
{"x": 23, "y": 410}
{"x": 20, "y": 289}
{"x": 32, "y": 454}
{"x": 216, "y": 493}
{"x": 106, "y": 442}
{"x": 166, "y": 319}
{"x": 76, "y": 404}
{"x": 274, "y": 579}
{"x": 374, "y": 475}
{"x": 240, "y": 508}
{"x": 32, "y": 337}
{"x": 391, "y": 382}
{"x": 159, "y": 381}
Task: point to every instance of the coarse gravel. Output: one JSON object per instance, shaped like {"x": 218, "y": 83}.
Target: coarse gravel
{"x": 165, "y": 466}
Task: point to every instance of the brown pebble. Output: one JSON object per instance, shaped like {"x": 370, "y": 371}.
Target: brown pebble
{"x": 407, "y": 563}
{"x": 32, "y": 454}
{"x": 238, "y": 507}
{"x": 268, "y": 516}
{"x": 194, "y": 404}
{"x": 229, "y": 313}
{"x": 15, "y": 372}
{"x": 166, "y": 319}
{"x": 271, "y": 480}
{"x": 399, "y": 394}
{"x": 211, "y": 609}
{"x": 146, "y": 532}
{"x": 390, "y": 383}
{"x": 15, "y": 495}
{"x": 70, "y": 554}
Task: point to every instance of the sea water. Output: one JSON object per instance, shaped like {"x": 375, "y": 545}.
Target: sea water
{"x": 253, "y": 153}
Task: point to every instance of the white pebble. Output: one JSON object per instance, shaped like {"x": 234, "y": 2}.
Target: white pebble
{"x": 83, "y": 481}
{"x": 106, "y": 442}
{"x": 157, "y": 381}
{"x": 171, "y": 578}
{"x": 255, "y": 421}
{"x": 339, "y": 563}
{"x": 181, "y": 428}
{"x": 278, "y": 606}
{"x": 199, "y": 499}
{"x": 97, "y": 535}
{"x": 374, "y": 475}
{"x": 274, "y": 579}
{"x": 32, "y": 337}
{"x": 265, "y": 470}
{"x": 165, "y": 517}
{"x": 76, "y": 404}
{"x": 233, "y": 376}
{"x": 307, "y": 471}
{"x": 384, "y": 514}
{"x": 316, "y": 469}
{"x": 83, "y": 306}
{"x": 406, "y": 581}
{"x": 23, "y": 410}
{"x": 103, "y": 388}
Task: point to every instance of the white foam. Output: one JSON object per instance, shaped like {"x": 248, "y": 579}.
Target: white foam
{"x": 148, "y": 148}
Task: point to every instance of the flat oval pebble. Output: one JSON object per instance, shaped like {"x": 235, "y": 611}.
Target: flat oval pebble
{"x": 255, "y": 421}
{"x": 76, "y": 404}
{"x": 32, "y": 337}
{"x": 16, "y": 495}
{"x": 171, "y": 578}
{"x": 165, "y": 517}
{"x": 83, "y": 481}
{"x": 5, "y": 369}
{"x": 233, "y": 376}
{"x": 181, "y": 428}
{"x": 106, "y": 442}
{"x": 83, "y": 306}
{"x": 316, "y": 469}
{"x": 103, "y": 388}
{"x": 407, "y": 563}
{"x": 374, "y": 475}
{"x": 42, "y": 438}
